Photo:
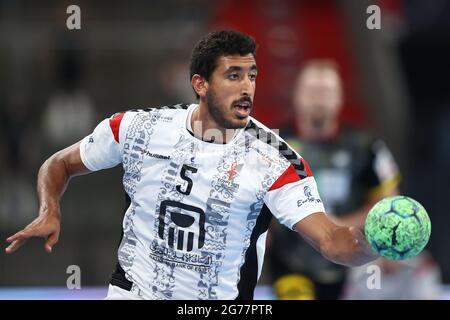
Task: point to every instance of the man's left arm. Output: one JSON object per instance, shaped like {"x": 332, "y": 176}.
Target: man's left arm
{"x": 295, "y": 201}
{"x": 342, "y": 245}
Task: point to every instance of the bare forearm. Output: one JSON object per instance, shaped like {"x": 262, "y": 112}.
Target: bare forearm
{"x": 348, "y": 246}
{"x": 51, "y": 183}
{"x": 54, "y": 176}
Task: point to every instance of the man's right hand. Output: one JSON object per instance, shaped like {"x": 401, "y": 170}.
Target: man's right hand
{"x": 53, "y": 178}
{"x": 46, "y": 226}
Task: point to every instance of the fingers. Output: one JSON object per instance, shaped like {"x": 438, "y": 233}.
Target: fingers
{"x": 51, "y": 240}
{"x": 17, "y": 240}
{"x": 16, "y": 244}
{"x": 19, "y": 235}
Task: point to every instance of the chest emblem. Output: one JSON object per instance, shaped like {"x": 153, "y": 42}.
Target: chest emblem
{"x": 234, "y": 170}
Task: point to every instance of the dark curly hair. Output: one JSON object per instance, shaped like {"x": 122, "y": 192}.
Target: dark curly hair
{"x": 216, "y": 44}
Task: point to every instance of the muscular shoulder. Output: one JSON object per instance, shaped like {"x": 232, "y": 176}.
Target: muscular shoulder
{"x": 275, "y": 152}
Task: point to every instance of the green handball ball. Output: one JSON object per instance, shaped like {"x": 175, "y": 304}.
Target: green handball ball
{"x": 398, "y": 227}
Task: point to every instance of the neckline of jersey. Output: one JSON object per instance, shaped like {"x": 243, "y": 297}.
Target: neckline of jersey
{"x": 187, "y": 119}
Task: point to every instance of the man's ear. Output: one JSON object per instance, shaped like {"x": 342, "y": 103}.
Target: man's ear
{"x": 200, "y": 85}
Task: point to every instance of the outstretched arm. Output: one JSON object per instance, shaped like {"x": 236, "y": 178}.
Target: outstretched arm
{"x": 341, "y": 245}
{"x": 53, "y": 178}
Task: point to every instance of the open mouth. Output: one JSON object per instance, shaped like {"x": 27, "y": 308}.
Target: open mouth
{"x": 242, "y": 108}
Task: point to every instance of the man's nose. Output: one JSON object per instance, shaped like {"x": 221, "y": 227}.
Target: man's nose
{"x": 247, "y": 87}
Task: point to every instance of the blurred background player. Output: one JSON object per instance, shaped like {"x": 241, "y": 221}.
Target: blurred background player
{"x": 353, "y": 172}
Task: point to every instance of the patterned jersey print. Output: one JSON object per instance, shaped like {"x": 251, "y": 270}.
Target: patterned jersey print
{"x": 199, "y": 211}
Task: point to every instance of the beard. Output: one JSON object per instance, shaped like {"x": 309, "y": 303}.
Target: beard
{"x": 219, "y": 113}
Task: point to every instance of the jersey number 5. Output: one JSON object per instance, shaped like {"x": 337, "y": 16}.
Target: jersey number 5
{"x": 183, "y": 175}
{"x": 182, "y": 217}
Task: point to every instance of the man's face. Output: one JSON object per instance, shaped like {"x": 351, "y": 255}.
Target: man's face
{"x": 318, "y": 95}
{"x": 231, "y": 89}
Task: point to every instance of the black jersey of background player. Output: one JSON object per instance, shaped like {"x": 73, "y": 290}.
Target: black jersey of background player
{"x": 348, "y": 169}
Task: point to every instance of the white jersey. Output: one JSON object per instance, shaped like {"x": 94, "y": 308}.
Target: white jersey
{"x": 198, "y": 211}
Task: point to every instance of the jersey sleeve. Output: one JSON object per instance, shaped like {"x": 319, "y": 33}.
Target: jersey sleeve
{"x": 294, "y": 195}
{"x": 102, "y": 149}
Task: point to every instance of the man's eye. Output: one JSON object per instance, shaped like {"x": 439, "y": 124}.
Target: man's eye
{"x": 233, "y": 76}
{"x": 252, "y": 77}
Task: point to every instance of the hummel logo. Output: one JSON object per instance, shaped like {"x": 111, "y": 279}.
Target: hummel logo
{"x": 155, "y": 155}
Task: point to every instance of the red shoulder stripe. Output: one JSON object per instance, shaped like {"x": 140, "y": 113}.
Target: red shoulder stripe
{"x": 307, "y": 168}
{"x": 114, "y": 123}
{"x": 288, "y": 176}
